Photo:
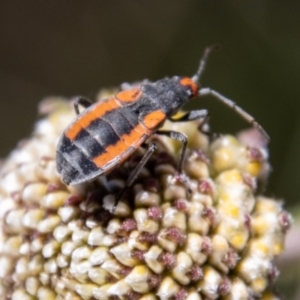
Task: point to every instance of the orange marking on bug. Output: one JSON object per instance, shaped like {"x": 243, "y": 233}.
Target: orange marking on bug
{"x": 102, "y": 159}
{"x": 186, "y": 81}
{"x": 72, "y": 132}
{"x": 104, "y": 107}
{"x": 87, "y": 118}
{"x": 126, "y": 154}
{"x": 141, "y": 128}
{"x": 133, "y": 139}
{"x": 154, "y": 119}
{"x": 129, "y": 95}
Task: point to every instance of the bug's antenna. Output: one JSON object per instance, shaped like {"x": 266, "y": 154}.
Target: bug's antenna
{"x": 202, "y": 65}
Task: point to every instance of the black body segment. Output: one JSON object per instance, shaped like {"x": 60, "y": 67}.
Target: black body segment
{"x": 102, "y": 132}
{"x": 119, "y": 122}
{"x": 87, "y": 144}
{"x": 72, "y": 163}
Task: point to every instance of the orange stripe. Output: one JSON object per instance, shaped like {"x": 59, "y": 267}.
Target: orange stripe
{"x": 154, "y": 119}
{"x": 134, "y": 139}
{"x": 102, "y": 159}
{"x": 87, "y": 118}
{"x": 129, "y": 95}
{"x": 73, "y": 130}
{"x": 105, "y": 107}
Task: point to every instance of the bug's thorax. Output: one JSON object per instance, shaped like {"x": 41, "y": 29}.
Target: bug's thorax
{"x": 170, "y": 94}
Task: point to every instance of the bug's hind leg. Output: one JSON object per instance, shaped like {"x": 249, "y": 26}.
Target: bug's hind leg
{"x": 81, "y": 101}
{"x": 151, "y": 148}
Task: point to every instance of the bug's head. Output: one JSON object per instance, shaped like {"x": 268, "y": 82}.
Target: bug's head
{"x": 191, "y": 87}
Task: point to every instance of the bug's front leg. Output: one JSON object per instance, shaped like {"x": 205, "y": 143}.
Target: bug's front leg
{"x": 196, "y": 115}
{"x": 236, "y": 108}
{"x": 81, "y": 101}
{"x": 193, "y": 115}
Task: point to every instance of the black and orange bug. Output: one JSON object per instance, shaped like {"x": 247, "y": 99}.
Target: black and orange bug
{"x": 107, "y": 132}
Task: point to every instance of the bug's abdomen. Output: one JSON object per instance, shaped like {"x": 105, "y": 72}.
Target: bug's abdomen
{"x": 98, "y": 140}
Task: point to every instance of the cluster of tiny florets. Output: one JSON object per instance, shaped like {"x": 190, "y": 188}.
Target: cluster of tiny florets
{"x": 207, "y": 234}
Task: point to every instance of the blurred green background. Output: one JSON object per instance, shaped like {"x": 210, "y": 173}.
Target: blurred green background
{"x": 77, "y": 47}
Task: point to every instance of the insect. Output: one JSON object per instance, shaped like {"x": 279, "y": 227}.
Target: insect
{"x": 106, "y": 133}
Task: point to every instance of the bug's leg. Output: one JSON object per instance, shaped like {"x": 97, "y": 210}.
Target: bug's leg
{"x": 179, "y": 137}
{"x": 236, "y": 108}
{"x": 195, "y": 115}
{"x": 183, "y": 139}
{"x": 206, "y": 131}
{"x": 192, "y": 115}
{"x": 151, "y": 148}
{"x": 81, "y": 101}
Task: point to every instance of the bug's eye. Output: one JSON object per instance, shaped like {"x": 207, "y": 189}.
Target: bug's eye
{"x": 191, "y": 86}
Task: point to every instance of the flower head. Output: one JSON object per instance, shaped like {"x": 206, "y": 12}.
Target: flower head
{"x": 207, "y": 235}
